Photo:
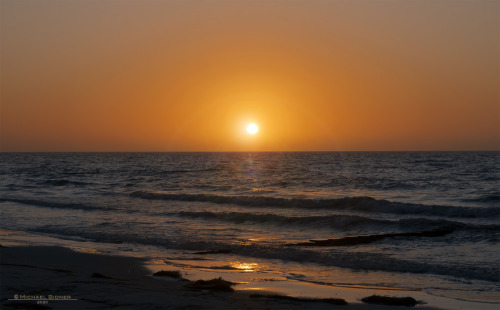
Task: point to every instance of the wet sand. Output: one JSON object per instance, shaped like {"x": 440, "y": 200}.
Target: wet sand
{"x": 63, "y": 274}
{"x": 59, "y": 278}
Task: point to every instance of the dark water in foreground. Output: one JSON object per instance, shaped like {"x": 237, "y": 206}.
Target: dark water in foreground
{"x": 419, "y": 220}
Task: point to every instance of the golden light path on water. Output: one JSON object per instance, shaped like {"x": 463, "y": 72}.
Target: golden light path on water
{"x": 249, "y": 267}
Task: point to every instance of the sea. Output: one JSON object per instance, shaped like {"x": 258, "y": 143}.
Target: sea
{"x": 423, "y": 221}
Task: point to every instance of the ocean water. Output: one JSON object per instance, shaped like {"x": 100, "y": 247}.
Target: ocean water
{"x": 413, "y": 220}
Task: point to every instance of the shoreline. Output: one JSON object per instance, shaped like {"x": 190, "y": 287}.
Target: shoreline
{"x": 34, "y": 265}
{"x": 59, "y": 278}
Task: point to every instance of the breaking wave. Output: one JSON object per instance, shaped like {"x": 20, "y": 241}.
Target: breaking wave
{"x": 58, "y": 205}
{"x": 352, "y": 260}
{"x": 365, "y": 204}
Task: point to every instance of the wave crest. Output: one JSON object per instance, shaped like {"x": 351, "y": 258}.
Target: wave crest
{"x": 365, "y": 204}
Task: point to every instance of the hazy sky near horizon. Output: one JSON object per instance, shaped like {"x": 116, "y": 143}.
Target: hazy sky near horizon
{"x": 172, "y": 75}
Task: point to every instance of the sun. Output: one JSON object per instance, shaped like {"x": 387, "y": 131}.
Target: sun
{"x": 252, "y": 129}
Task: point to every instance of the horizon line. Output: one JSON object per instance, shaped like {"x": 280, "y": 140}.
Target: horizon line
{"x": 313, "y": 151}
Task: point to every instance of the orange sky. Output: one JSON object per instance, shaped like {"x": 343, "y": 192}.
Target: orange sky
{"x": 178, "y": 75}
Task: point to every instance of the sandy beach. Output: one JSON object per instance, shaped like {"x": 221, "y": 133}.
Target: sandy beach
{"x": 49, "y": 277}
{"x": 40, "y": 272}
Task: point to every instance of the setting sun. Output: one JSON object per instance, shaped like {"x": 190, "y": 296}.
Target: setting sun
{"x": 252, "y": 129}
{"x": 264, "y": 145}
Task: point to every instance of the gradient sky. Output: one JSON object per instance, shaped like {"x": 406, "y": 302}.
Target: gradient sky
{"x": 143, "y": 75}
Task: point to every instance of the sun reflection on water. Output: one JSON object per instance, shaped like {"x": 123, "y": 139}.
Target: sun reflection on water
{"x": 248, "y": 267}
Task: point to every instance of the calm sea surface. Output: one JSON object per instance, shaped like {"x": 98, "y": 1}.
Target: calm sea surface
{"x": 417, "y": 220}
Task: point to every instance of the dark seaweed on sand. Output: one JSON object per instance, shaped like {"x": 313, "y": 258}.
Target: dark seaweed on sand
{"x": 168, "y": 273}
{"x": 100, "y": 275}
{"x": 333, "y": 301}
{"x": 218, "y": 284}
{"x": 391, "y": 301}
